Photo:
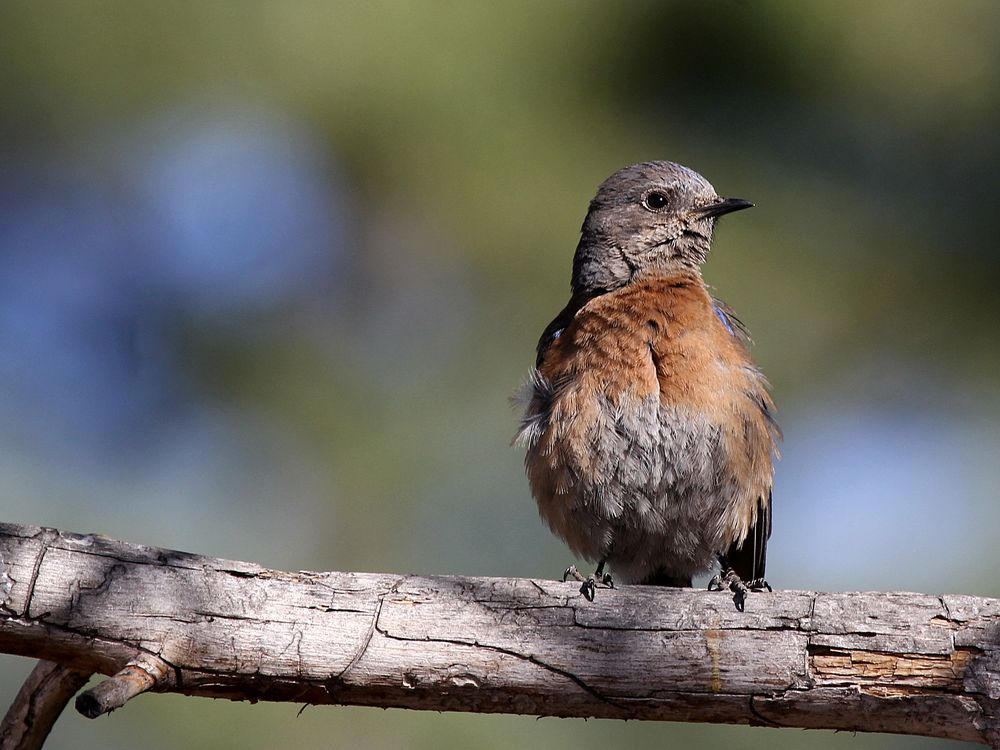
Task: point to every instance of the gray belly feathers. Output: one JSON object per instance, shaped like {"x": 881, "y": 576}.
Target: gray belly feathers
{"x": 648, "y": 495}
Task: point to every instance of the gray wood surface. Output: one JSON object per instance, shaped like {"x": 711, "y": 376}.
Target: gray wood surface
{"x": 878, "y": 662}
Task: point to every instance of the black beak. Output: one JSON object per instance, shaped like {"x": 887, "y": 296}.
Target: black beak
{"x": 724, "y": 206}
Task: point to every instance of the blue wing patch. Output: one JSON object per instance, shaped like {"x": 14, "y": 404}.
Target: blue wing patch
{"x": 724, "y": 318}
{"x": 733, "y": 324}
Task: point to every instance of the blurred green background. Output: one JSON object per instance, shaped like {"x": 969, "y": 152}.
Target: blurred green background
{"x": 270, "y": 271}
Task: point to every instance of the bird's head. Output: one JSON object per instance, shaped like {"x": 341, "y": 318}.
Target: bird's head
{"x": 655, "y": 216}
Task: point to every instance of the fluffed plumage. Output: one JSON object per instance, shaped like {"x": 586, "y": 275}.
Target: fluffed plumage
{"x": 649, "y": 431}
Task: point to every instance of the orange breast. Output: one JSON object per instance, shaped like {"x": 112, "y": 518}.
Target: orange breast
{"x": 657, "y": 335}
{"x": 660, "y": 333}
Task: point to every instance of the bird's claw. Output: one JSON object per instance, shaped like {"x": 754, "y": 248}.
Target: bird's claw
{"x": 588, "y": 584}
{"x": 740, "y": 588}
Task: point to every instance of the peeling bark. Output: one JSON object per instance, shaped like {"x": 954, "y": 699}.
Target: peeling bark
{"x": 176, "y": 622}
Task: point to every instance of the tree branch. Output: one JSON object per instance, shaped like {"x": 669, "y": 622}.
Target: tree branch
{"x": 177, "y": 622}
{"x": 38, "y": 704}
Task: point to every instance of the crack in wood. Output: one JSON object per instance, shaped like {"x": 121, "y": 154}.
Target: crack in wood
{"x": 130, "y": 650}
{"x": 47, "y": 536}
{"x": 297, "y": 642}
{"x": 79, "y": 590}
{"x": 495, "y": 605}
{"x": 530, "y": 658}
{"x": 338, "y": 679}
{"x": 760, "y": 717}
{"x": 631, "y": 627}
{"x": 944, "y": 606}
{"x": 160, "y": 558}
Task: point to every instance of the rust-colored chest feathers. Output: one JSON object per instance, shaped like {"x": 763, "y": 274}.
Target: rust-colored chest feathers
{"x": 661, "y": 335}
{"x": 648, "y": 431}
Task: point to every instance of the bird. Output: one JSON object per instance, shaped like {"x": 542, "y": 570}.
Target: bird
{"x": 649, "y": 432}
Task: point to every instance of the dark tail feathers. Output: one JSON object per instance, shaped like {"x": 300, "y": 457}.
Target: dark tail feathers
{"x": 662, "y": 578}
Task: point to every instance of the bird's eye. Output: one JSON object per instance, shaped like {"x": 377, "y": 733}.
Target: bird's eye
{"x": 655, "y": 201}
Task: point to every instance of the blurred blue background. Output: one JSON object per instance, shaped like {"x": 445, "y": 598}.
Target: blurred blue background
{"x": 269, "y": 272}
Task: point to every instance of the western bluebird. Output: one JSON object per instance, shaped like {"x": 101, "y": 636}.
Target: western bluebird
{"x": 649, "y": 431}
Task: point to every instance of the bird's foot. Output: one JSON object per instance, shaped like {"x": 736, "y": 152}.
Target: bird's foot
{"x": 572, "y": 572}
{"x": 740, "y": 588}
{"x": 588, "y": 584}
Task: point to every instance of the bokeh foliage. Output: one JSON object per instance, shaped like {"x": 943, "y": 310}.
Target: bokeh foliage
{"x": 353, "y": 414}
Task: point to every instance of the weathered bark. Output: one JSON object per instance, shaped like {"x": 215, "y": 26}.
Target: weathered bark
{"x": 878, "y": 662}
{"x": 38, "y": 704}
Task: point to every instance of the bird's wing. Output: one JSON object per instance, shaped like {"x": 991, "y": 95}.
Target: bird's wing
{"x": 733, "y": 324}
{"x": 555, "y": 328}
{"x": 749, "y": 557}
